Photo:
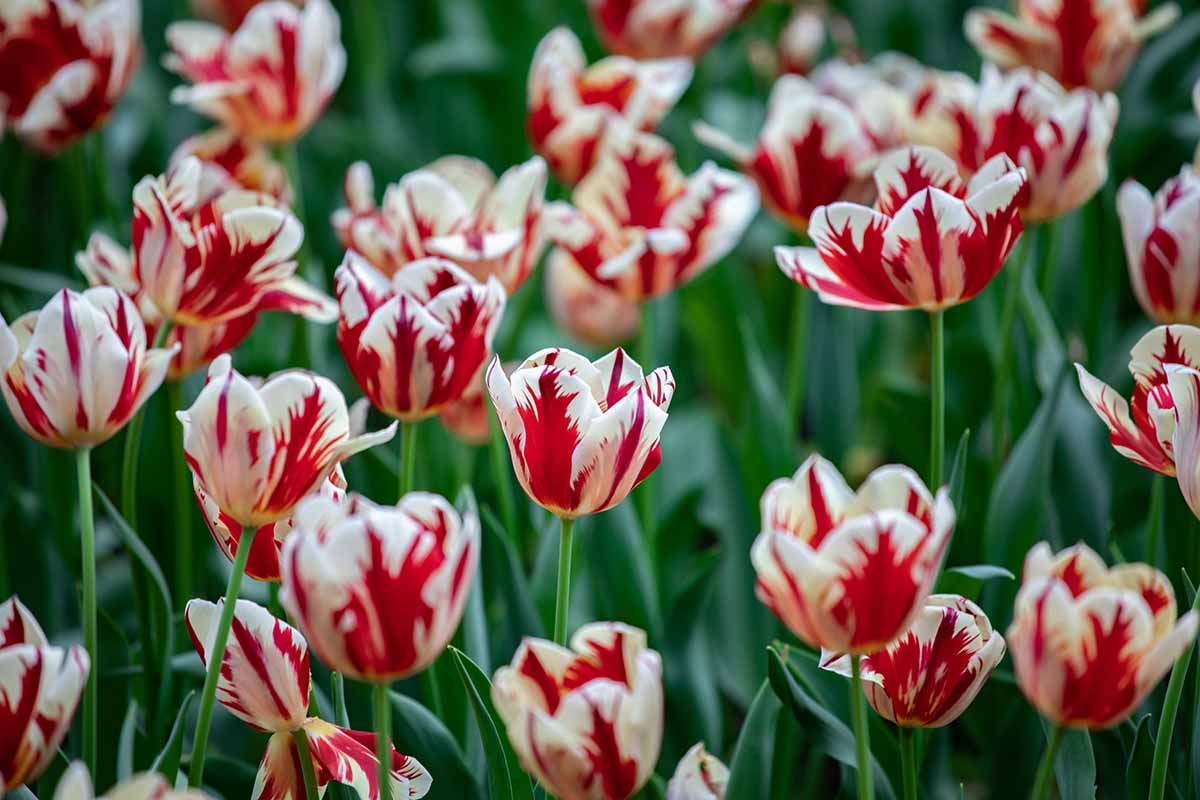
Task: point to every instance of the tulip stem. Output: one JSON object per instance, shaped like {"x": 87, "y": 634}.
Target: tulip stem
{"x": 797, "y": 365}
{"x": 1008, "y": 319}
{"x": 1044, "y": 783}
{"x": 304, "y": 754}
{"x": 216, "y": 655}
{"x": 1154, "y": 519}
{"x": 431, "y": 687}
{"x": 908, "y": 763}
{"x": 87, "y": 539}
{"x": 408, "y": 457}
{"x": 862, "y": 735}
{"x": 502, "y": 470}
{"x": 1166, "y": 721}
{"x": 340, "y": 715}
{"x": 562, "y": 598}
{"x": 937, "y": 391}
{"x": 644, "y": 498}
{"x": 182, "y": 535}
{"x": 383, "y": 739}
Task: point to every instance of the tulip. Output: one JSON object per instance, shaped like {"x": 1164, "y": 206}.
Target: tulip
{"x": 570, "y": 104}
{"x": 801, "y": 42}
{"x": 454, "y": 208}
{"x": 42, "y": 685}
{"x": 271, "y": 78}
{"x": 64, "y": 64}
{"x": 228, "y": 13}
{"x": 941, "y": 115}
{"x": 587, "y": 310}
{"x": 1182, "y": 428}
{"x": 76, "y": 784}
{"x": 877, "y": 91}
{"x": 1087, "y": 43}
{"x": 699, "y": 776}
{"x": 228, "y": 161}
{"x": 664, "y": 28}
{"x": 265, "y": 682}
{"x": 1161, "y": 246}
{"x": 586, "y": 722}
{"x": 466, "y": 419}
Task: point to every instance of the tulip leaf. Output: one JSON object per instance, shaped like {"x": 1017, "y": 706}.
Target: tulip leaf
{"x": 518, "y": 593}
{"x": 1139, "y": 762}
{"x": 1075, "y": 766}
{"x": 505, "y": 777}
{"x": 126, "y": 742}
{"x": 958, "y": 472}
{"x": 983, "y": 572}
{"x": 167, "y": 761}
{"x": 417, "y": 732}
{"x": 750, "y": 767}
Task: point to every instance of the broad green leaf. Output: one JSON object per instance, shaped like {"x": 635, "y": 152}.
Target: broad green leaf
{"x": 167, "y": 761}
{"x": 417, "y": 732}
{"x": 1139, "y": 762}
{"x": 1075, "y": 766}
{"x": 750, "y": 767}
{"x": 505, "y": 776}
{"x": 958, "y": 472}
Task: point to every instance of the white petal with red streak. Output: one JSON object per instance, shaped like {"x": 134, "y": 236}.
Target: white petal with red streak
{"x": 18, "y": 625}
{"x": 1185, "y": 390}
{"x": 788, "y": 504}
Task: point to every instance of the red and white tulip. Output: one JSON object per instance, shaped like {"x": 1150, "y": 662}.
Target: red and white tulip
{"x": 255, "y": 451}
{"x": 229, "y": 161}
{"x": 229, "y": 13}
{"x": 849, "y": 571}
{"x": 589, "y": 311}
{"x": 639, "y": 226}
{"x": 64, "y": 64}
{"x": 570, "y": 104}
{"x": 932, "y": 241}
{"x": 468, "y": 418}
{"x": 264, "y": 681}
{"x": 582, "y": 435}
{"x": 76, "y": 784}
{"x": 40, "y": 687}
{"x": 454, "y": 208}
{"x": 586, "y": 722}
{"x": 1088, "y": 642}
{"x": 802, "y": 40}
{"x": 942, "y": 115}
{"x": 664, "y": 28}
{"x": 77, "y": 370}
{"x": 1182, "y": 428}
{"x": 1162, "y": 246}
{"x": 928, "y": 677}
{"x": 379, "y": 590}
{"x": 414, "y": 341}
{"x": 698, "y": 776}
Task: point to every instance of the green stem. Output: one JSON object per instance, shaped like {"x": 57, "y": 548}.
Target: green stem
{"x": 133, "y": 440}
{"x": 340, "y": 715}
{"x": 862, "y": 735}
{"x": 937, "y": 391}
{"x": 216, "y": 655}
{"x": 408, "y": 456}
{"x": 300, "y": 737}
{"x": 1046, "y": 271}
{"x": 303, "y": 351}
{"x": 372, "y": 70}
{"x": 1154, "y": 519}
{"x": 562, "y": 597}
{"x": 184, "y": 576}
{"x": 502, "y": 470}
{"x": 908, "y": 763}
{"x": 87, "y": 538}
{"x": 383, "y": 739}
{"x": 432, "y": 688}
{"x": 1044, "y": 783}
{"x": 1166, "y": 721}
{"x": 797, "y": 364}
{"x": 644, "y": 499}
{"x": 1008, "y": 320}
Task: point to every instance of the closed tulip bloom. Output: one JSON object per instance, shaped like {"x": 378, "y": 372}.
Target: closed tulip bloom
{"x": 265, "y": 682}
{"x": 813, "y": 150}
{"x": 257, "y": 450}
{"x": 64, "y": 64}
{"x": 664, "y": 28}
{"x": 1088, "y": 642}
{"x": 699, "y": 776}
{"x": 271, "y": 78}
{"x": 642, "y": 228}
{"x": 582, "y": 435}
{"x": 76, "y": 371}
{"x": 849, "y": 571}
{"x": 42, "y": 686}
{"x": 802, "y": 40}
{"x": 589, "y": 311}
{"x": 1143, "y": 428}
{"x": 228, "y": 13}
{"x": 586, "y": 722}
{"x": 229, "y": 161}
{"x": 414, "y": 341}
{"x": 1087, "y": 43}
{"x": 1162, "y": 246}
{"x": 932, "y": 241}
{"x": 76, "y": 784}
{"x": 379, "y": 590}
{"x": 941, "y": 115}
{"x": 570, "y": 104}
{"x": 928, "y": 677}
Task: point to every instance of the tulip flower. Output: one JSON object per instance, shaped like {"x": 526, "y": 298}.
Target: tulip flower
{"x": 586, "y": 722}
{"x": 1161, "y": 246}
{"x": 42, "y": 685}
{"x": 271, "y": 78}
{"x": 265, "y": 681}
{"x": 876, "y": 90}
{"x": 801, "y": 42}
{"x": 941, "y": 115}
{"x": 570, "y": 104}
{"x": 64, "y": 64}
{"x": 664, "y": 28}
{"x": 228, "y": 13}
{"x": 1182, "y": 428}
{"x": 228, "y": 161}
{"x": 1088, "y": 43}
{"x": 454, "y": 208}
{"x": 699, "y": 776}
{"x": 587, "y": 310}
{"x": 467, "y": 418}
{"x": 639, "y": 227}
{"x": 76, "y": 784}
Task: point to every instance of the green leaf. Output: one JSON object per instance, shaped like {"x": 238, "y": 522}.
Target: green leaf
{"x": 126, "y": 742}
{"x": 1139, "y": 763}
{"x": 167, "y": 761}
{"x": 983, "y": 572}
{"x": 1075, "y": 766}
{"x": 750, "y": 768}
{"x": 518, "y": 593}
{"x": 505, "y": 777}
{"x": 958, "y": 472}
{"x": 417, "y": 732}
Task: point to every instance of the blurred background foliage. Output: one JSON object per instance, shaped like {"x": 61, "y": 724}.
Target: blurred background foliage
{"x": 432, "y": 77}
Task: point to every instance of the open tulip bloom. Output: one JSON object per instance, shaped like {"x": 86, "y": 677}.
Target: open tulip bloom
{"x": 1162, "y": 246}
{"x": 231, "y": 161}
{"x": 664, "y": 28}
{"x": 587, "y": 721}
{"x": 698, "y": 776}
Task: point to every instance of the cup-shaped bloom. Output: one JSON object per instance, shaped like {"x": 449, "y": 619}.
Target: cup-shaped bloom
{"x": 876, "y": 90}
{"x": 932, "y": 242}
{"x": 941, "y": 114}
{"x": 1088, "y": 642}
{"x": 1143, "y": 428}
{"x": 414, "y": 341}
{"x": 586, "y": 722}
{"x": 664, "y": 28}
{"x": 1078, "y": 42}
{"x": 78, "y": 369}
{"x": 271, "y": 78}
{"x": 813, "y": 150}
{"x": 264, "y": 681}
{"x": 801, "y": 42}
{"x": 1162, "y": 246}
{"x": 1059, "y": 138}
{"x": 582, "y": 435}
{"x": 928, "y": 677}
{"x": 229, "y": 161}
{"x": 257, "y": 450}
{"x": 41, "y": 689}
{"x": 849, "y": 571}
{"x": 570, "y": 104}
{"x": 698, "y": 776}
{"x": 642, "y": 228}
{"x": 76, "y": 784}
{"x": 589, "y": 311}
{"x": 229, "y": 13}
{"x": 64, "y": 64}
{"x": 379, "y": 590}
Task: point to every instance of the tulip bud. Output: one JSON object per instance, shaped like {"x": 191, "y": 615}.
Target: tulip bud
{"x": 699, "y": 776}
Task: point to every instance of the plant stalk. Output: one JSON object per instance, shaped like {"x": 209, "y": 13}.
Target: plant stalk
{"x": 91, "y": 641}
{"x": 937, "y": 392}
{"x": 862, "y": 734}
{"x": 1166, "y": 721}
{"x": 383, "y": 739}
{"x": 908, "y": 763}
{"x": 1043, "y": 785}
{"x": 184, "y": 575}
{"x": 1154, "y": 520}
{"x": 1008, "y": 320}
{"x": 300, "y": 737}
{"x": 562, "y": 597}
{"x": 797, "y": 364}
{"x": 408, "y": 456}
